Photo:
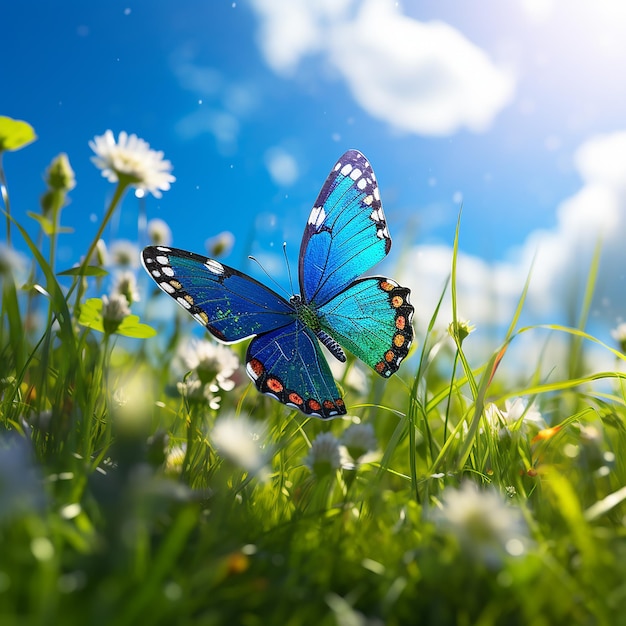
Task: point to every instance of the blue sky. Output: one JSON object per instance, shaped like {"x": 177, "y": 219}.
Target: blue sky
{"x": 516, "y": 110}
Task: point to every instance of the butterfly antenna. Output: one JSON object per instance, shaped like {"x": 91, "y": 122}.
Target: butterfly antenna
{"x": 288, "y": 266}
{"x": 252, "y": 258}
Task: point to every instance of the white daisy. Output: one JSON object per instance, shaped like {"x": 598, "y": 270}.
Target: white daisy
{"x": 159, "y": 232}
{"x": 360, "y": 441}
{"x": 131, "y": 160}
{"x": 324, "y": 456}
{"x": 124, "y": 253}
{"x": 114, "y": 309}
{"x": 125, "y": 284}
{"x": 486, "y": 526}
{"x": 507, "y": 421}
{"x": 213, "y": 363}
{"x": 221, "y": 244}
{"x": 242, "y": 441}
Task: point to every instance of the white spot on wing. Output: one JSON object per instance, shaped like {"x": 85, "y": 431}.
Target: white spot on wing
{"x": 361, "y": 184}
{"x": 167, "y": 287}
{"x": 163, "y": 249}
{"x": 215, "y": 267}
{"x": 318, "y": 215}
{"x": 377, "y": 216}
{"x": 376, "y": 193}
{"x": 368, "y": 200}
{"x": 355, "y": 174}
{"x": 163, "y": 260}
{"x": 346, "y": 169}
{"x": 251, "y": 372}
{"x": 183, "y": 302}
{"x": 168, "y": 271}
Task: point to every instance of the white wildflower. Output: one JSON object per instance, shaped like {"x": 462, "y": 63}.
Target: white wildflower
{"x": 324, "y": 456}
{"x": 159, "y": 232}
{"x": 360, "y": 442}
{"x": 195, "y": 390}
{"x": 124, "y": 253}
{"x": 174, "y": 459}
{"x": 125, "y": 284}
{"x": 486, "y": 526}
{"x": 517, "y": 416}
{"x": 518, "y": 409}
{"x": 115, "y": 308}
{"x": 131, "y": 160}
{"x": 221, "y": 244}
{"x": 213, "y": 363}
{"x": 242, "y": 441}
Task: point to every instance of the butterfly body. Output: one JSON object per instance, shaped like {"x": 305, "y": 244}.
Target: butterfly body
{"x": 346, "y": 234}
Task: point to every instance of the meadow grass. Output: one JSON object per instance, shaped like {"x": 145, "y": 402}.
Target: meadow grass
{"x": 138, "y": 485}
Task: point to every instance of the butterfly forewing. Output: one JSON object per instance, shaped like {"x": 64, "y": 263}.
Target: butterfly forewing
{"x": 231, "y": 305}
{"x": 346, "y": 233}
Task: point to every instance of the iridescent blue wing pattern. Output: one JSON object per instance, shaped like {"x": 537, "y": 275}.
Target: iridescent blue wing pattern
{"x": 288, "y": 365}
{"x": 231, "y": 305}
{"x": 346, "y": 234}
{"x": 372, "y": 319}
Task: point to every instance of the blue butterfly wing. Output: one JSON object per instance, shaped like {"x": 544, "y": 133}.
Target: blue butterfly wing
{"x": 231, "y": 305}
{"x": 288, "y": 364}
{"x": 372, "y": 319}
{"x": 346, "y": 233}
{"x": 284, "y": 360}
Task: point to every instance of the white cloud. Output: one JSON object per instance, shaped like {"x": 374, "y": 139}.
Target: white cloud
{"x": 561, "y": 259}
{"x": 292, "y": 29}
{"x": 282, "y": 166}
{"x": 425, "y": 78}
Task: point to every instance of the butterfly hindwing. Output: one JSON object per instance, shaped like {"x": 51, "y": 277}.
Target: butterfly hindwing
{"x": 346, "y": 233}
{"x": 372, "y": 319}
{"x": 231, "y": 305}
{"x": 288, "y": 364}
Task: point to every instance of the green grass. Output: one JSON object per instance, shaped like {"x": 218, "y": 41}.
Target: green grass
{"x": 119, "y": 505}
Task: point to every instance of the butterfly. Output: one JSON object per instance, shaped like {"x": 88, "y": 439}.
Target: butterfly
{"x": 346, "y": 235}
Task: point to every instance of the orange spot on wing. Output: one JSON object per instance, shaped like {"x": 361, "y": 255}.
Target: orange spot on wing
{"x": 313, "y": 405}
{"x": 397, "y": 302}
{"x": 275, "y": 385}
{"x": 257, "y": 367}
{"x": 400, "y": 322}
{"x": 295, "y": 399}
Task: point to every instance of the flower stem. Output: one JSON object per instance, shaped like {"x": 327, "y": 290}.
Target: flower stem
{"x": 117, "y": 196}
